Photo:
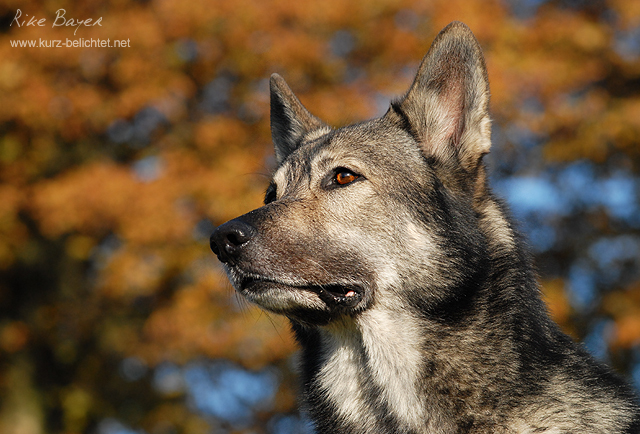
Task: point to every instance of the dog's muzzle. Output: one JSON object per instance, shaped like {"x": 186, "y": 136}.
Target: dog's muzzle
{"x": 229, "y": 239}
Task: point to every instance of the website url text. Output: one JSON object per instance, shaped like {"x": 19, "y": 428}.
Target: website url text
{"x": 69, "y": 43}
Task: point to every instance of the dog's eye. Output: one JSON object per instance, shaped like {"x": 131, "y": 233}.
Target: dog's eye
{"x": 270, "y": 195}
{"x": 344, "y": 177}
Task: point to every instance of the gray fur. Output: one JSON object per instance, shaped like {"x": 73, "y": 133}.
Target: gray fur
{"x": 410, "y": 293}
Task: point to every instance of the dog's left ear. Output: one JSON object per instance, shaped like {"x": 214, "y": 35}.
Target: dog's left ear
{"x": 446, "y": 108}
{"x": 290, "y": 120}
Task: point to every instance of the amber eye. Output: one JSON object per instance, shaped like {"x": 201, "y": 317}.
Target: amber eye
{"x": 344, "y": 177}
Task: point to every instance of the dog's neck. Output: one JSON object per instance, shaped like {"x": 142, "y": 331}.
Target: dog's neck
{"x": 392, "y": 366}
{"x": 378, "y": 355}
{"x": 382, "y": 369}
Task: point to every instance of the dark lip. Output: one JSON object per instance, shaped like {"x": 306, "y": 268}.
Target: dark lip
{"x": 332, "y": 294}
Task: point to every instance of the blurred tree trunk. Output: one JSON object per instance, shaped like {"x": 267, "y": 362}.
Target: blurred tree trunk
{"x": 21, "y": 411}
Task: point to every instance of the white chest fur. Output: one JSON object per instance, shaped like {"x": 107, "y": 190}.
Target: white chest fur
{"x": 382, "y": 346}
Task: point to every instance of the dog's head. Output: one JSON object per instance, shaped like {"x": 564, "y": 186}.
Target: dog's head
{"x": 379, "y": 212}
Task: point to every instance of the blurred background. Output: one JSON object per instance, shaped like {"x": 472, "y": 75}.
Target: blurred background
{"x": 117, "y": 163}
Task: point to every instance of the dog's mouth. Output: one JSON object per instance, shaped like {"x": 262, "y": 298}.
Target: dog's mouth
{"x": 348, "y": 296}
{"x": 333, "y": 295}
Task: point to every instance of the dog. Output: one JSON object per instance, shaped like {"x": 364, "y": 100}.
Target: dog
{"x": 411, "y": 294}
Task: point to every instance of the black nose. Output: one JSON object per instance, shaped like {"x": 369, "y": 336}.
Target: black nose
{"x": 228, "y": 239}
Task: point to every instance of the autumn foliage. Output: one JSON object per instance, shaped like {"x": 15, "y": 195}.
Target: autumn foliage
{"x": 116, "y": 164}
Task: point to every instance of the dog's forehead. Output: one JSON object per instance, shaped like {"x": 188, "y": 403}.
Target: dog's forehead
{"x": 362, "y": 141}
{"x": 291, "y": 171}
{"x": 368, "y": 146}
{"x": 296, "y": 167}
{"x": 318, "y": 151}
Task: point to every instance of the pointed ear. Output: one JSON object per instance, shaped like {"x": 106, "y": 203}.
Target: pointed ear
{"x": 290, "y": 120}
{"x": 446, "y": 108}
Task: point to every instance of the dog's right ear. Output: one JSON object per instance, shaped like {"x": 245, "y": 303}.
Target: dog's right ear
{"x": 446, "y": 108}
{"x": 290, "y": 120}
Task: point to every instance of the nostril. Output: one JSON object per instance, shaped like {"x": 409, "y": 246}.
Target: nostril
{"x": 233, "y": 240}
{"x": 237, "y": 238}
{"x": 227, "y": 240}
